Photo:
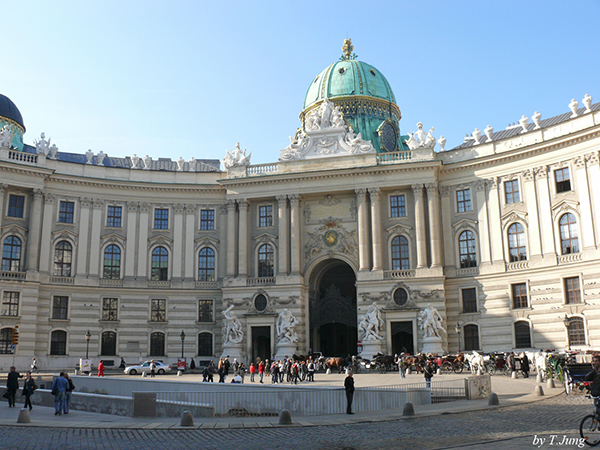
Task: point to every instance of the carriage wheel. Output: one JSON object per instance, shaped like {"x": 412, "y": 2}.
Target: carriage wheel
{"x": 457, "y": 368}
{"x": 381, "y": 368}
{"x": 490, "y": 368}
{"x": 447, "y": 366}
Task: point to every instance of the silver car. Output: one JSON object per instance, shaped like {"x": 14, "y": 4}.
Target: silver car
{"x": 145, "y": 368}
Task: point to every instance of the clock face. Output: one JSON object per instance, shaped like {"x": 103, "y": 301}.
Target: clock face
{"x": 388, "y": 137}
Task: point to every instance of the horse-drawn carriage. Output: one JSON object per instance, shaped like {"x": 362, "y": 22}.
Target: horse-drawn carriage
{"x": 574, "y": 375}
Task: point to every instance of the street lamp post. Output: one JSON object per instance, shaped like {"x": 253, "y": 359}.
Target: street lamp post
{"x": 88, "y": 336}
{"x": 457, "y": 329}
{"x": 182, "y": 336}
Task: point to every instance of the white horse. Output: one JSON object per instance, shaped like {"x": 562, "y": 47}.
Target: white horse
{"x": 541, "y": 359}
{"x": 476, "y": 362}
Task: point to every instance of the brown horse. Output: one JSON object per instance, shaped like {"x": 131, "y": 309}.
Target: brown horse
{"x": 337, "y": 363}
{"x": 414, "y": 362}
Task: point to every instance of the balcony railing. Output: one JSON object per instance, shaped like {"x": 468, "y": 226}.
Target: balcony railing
{"x": 28, "y": 158}
{"x": 159, "y": 284}
{"x": 570, "y": 258}
{"x": 110, "y": 282}
{"x": 468, "y": 272}
{"x": 207, "y": 284}
{"x": 62, "y": 280}
{"x": 393, "y": 157}
{"x": 394, "y": 274}
{"x": 517, "y": 265}
{"x": 260, "y": 281}
{"x": 8, "y": 275}
{"x": 260, "y": 169}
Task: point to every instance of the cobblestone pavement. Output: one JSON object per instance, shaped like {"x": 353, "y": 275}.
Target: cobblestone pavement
{"x": 503, "y": 428}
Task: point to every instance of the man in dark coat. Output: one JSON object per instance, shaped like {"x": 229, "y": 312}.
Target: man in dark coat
{"x": 349, "y": 386}
{"x": 12, "y": 385}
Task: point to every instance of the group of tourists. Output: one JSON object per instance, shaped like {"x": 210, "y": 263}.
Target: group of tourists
{"x": 285, "y": 369}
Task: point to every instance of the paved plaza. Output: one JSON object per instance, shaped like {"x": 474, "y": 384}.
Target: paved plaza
{"x": 521, "y": 417}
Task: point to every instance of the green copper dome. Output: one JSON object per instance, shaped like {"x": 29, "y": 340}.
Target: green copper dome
{"x": 363, "y": 95}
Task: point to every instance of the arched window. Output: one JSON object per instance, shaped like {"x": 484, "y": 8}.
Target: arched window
{"x": 265, "y": 261}
{"x": 206, "y": 264}
{"x": 516, "y": 243}
{"x": 63, "y": 257}
{"x": 466, "y": 248}
{"x": 205, "y": 344}
{"x": 569, "y": 235}
{"x": 5, "y": 341}
{"x": 471, "y": 337}
{"x": 109, "y": 343}
{"x": 160, "y": 264}
{"x": 11, "y": 254}
{"x": 157, "y": 344}
{"x": 400, "y": 260}
{"x": 112, "y": 262}
{"x": 522, "y": 334}
{"x": 58, "y": 343}
{"x": 576, "y": 331}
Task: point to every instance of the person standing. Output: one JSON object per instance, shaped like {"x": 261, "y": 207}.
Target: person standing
{"x": 226, "y": 366}
{"x": 428, "y": 373}
{"x": 349, "y": 386}
{"x": 512, "y": 362}
{"x": 261, "y": 371}
{"x": 101, "y": 369}
{"x": 12, "y": 385}
{"x": 59, "y": 387}
{"x": 29, "y": 387}
{"x": 193, "y": 366}
{"x": 252, "y": 370}
{"x": 123, "y": 365}
{"x": 400, "y": 362}
{"x": 68, "y": 393}
{"x": 34, "y": 367}
{"x": 221, "y": 371}
{"x": 152, "y": 369}
{"x": 525, "y": 365}
{"x": 311, "y": 370}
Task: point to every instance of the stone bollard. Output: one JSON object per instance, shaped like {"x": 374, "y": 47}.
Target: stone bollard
{"x": 539, "y": 391}
{"x": 285, "y": 418}
{"x": 514, "y": 375}
{"x": 408, "y": 371}
{"x": 550, "y": 383}
{"x": 539, "y": 379}
{"x": 493, "y": 399}
{"x": 479, "y": 373}
{"x": 24, "y": 416}
{"x": 143, "y": 374}
{"x": 328, "y": 372}
{"x": 179, "y": 373}
{"x": 439, "y": 371}
{"x": 186, "y": 419}
{"x": 408, "y": 409}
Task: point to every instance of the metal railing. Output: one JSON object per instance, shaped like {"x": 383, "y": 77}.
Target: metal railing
{"x": 314, "y": 401}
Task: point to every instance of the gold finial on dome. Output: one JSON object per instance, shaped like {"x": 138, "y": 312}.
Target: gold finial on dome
{"x": 347, "y": 48}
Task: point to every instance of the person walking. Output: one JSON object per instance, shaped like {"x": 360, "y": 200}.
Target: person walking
{"x": 152, "y": 369}
{"x": 311, "y": 370}
{"x": 29, "y": 387}
{"x": 12, "y": 385}
{"x": 101, "y": 368}
{"x": 34, "y": 367}
{"x": 68, "y": 393}
{"x": 428, "y": 373}
{"x": 123, "y": 364}
{"x": 59, "y": 388}
{"x": 349, "y": 387}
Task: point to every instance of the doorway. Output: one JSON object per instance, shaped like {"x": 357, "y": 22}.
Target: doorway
{"x": 261, "y": 343}
{"x": 402, "y": 337}
{"x": 333, "y": 317}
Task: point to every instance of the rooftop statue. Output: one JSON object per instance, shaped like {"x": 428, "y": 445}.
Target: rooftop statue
{"x": 42, "y": 146}
{"x": 232, "y": 327}
{"x": 238, "y": 158}
{"x": 6, "y": 137}
{"x": 89, "y": 156}
{"x": 100, "y": 158}
{"x": 134, "y": 161}
{"x": 587, "y": 101}
{"x": 53, "y": 152}
{"x": 537, "y": 118}
{"x": 420, "y": 139}
{"x": 488, "y": 132}
{"x": 573, "y": 107}
{"x": 430, "y": 321}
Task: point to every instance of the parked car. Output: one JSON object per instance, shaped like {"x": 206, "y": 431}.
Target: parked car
{"x": 145, "y": 368}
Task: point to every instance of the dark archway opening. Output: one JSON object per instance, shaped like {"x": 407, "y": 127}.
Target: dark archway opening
{"x": 333, "y": 318}
{"x": 402, "y": 337}
{"x": 261, "y": 343}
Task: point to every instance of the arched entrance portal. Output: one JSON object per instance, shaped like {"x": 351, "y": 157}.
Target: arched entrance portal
{"x": 333, "y": 320}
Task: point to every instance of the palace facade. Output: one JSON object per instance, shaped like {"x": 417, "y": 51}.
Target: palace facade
{"x": 500, "y": 234}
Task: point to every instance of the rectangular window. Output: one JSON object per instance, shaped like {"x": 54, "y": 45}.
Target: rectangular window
{"x": 563, "y": 180}
{"x": 205, "y": 310}
{"x": 60, "y": 307}
{"x": 158, "y": 310}
{"x": 469, "y": 300}
{"x": 511, "y": 190}
{"x": 207, "y": 219}
{"x": 265, "y": 216}
{"x": 463, "y": 200}
{"x": 397, "y": 206}
{"x": 65, "y": 212}
{"x": 10, "y": 303}
{"x": 16, "y": 204}
{"x": 113, "y": 217}
{"x": 110, "y": 309}
{"x": 572, "y": 290}
{"x": 519, "y": 294}
{"x": 161, "y": 219}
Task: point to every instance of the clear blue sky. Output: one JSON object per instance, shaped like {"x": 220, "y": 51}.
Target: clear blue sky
{"x": 192, "y": 78}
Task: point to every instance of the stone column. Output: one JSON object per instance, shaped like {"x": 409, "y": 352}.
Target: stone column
{"x": 231, "y": 238}
{"x": 35, "y": 225}
{"x": 449, "y": 256}
{"x": 363, "y": 230}
{"x": 3, "y": 187}
{"x": 420, "y": 226}
{"x": 545, "y": 208}
{"x": 485, "y": 251}
{"x": 131, "y": 232}
{"x": 189, "y": 247}
{"x": 296, "y": 232}
{"x": 495, "y": 223}
{"x": 46, "y": 236}
{"x": 178, "y": 236}
{"x": 594, "y": 180}
{"x": 586, "y": 225}
{"x": 534, "y": 226}
{"x": 283, "y": 234}
{"x": 243, "y": 238}
{"x": 376, "y": 231}
{"x": 97, "y": 204}
{"x": 85, "y": 206}
{"x": 143, "y": 255}
{"x": 433, "y": 205}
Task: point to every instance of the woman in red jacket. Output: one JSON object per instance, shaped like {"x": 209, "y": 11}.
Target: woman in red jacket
{"x": 252, "y": 372}
{"x": 261, "y": 371}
